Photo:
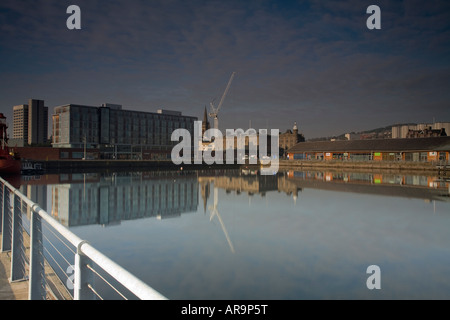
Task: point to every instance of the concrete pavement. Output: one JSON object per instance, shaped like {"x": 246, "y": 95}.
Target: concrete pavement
{"x": 10, "y": 291}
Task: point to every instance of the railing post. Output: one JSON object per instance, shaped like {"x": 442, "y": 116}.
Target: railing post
{"x": 6, "y": 223}
{"x": 83, "y": 277}
{"x": 17, "y": 248}
{"x": 2, "y": 189}
{"x": 36, "y": 289}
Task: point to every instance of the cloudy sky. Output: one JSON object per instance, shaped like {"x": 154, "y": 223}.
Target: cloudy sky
{"x": 314, "y": 62}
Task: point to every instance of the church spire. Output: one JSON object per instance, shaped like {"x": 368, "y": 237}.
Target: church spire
{"x": 205, "y": 116}
{"x": 205, "y": 123}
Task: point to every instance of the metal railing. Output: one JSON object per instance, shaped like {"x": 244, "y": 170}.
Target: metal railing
{"x": 20, "y": 215}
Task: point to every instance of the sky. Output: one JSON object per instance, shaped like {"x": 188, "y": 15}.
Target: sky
{"x": 313, "y": 62}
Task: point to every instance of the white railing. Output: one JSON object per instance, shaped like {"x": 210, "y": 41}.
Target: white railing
{"x": 89, "y": 264}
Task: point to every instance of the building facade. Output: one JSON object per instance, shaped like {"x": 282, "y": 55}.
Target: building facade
{"x": 426, "y": 133}
{"x": 290, "y": 138}
{"x": 30, "y": 122}
{"x": 403, "y": 131}
{"x": 118, "y": 133}
{"x": 20, "y": 124}
{"x": 416, "y": 149}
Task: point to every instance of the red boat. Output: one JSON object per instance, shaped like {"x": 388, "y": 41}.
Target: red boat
{"x": 9, "y": 162}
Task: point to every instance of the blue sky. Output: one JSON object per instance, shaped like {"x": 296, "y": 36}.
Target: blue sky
{"x": 314, "y": 62}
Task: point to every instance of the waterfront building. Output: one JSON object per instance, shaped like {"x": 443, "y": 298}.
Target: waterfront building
{"x": 404, "y": 130}
{"x": 286, "y": 140}
{"x": 416, "y": 149}
{"x": 30, "y": 123}
{"x": 427, "y": 132}
{"x": 117, "y": 133}
{"x": 290, "y": 138}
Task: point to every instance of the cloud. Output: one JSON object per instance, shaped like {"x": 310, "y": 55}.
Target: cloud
{"x": 315, "y": 60}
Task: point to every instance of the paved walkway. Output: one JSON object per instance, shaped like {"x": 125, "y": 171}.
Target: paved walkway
{"x": 19, "y": 290}
{"x": 10, "y": 291}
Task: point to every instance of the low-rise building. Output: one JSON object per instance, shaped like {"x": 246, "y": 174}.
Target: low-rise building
{"x": 417, "y": 149}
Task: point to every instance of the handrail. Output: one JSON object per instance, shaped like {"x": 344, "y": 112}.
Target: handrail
{"x": 85, "y": 253}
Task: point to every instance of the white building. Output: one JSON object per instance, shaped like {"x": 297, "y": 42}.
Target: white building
{"x": 401, "y": 131}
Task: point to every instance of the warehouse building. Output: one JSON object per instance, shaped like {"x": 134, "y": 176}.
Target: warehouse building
{"x": 418, "y": 149}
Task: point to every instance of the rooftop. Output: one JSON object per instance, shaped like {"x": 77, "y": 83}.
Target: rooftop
{"x": 415, "y": 144}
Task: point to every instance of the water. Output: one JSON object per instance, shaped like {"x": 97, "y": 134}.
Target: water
{"x": 238, "y": 235}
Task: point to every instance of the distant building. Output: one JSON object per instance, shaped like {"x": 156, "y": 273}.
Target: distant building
{"x": 118, "y": 133}
{"x": 286, "y": 140}
{"x": 352, "y": 136}
{"x": 20, "y": 125}
{"x": 290, "y": 138}
{"x": 402, "y": 131}
{"x": 30, "y": 123}
{"x": 426, "y": 133}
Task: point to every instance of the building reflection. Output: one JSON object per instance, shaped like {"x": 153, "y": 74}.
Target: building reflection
{"x": 248, "y": 181}
{"x": 411, "y": 185}
{"x": 292, "y": 182}
{"x": 34, "y": 189}
{"x": 109, "y": 199}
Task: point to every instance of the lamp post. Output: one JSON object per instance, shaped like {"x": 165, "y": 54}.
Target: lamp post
{"x": 84, "y": 139}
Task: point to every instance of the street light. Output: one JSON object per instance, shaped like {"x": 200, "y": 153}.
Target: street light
{"x": 84, "y": 139}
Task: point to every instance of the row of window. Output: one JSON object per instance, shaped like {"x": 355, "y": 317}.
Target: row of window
{"x": 73, "y": 123}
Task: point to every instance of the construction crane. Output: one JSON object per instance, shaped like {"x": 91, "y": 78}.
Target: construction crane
{"x": 215, "y": 111}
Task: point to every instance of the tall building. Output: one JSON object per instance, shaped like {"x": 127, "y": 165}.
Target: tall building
{"x": 37, "y": 122}
{"x": 30, "y": 122}
{"x": 20, "y": 123}
{"x": 118, "y": 133}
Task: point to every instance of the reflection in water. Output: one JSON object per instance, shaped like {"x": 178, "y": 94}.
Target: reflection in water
{"x": 109, "y": 199}
{"x": 291, "y": 182}
{"x": 427, "y": 187}
{"x": 306, "y": 234}
{"x": 83, "y": 199}
{"x": 86, "y": 199}
{"x": 248, "y": 181}
{"x": 215, "y": 213}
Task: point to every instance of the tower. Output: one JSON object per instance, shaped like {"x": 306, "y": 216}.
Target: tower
{"x": 37, "y": 121}
{"x": 205, "y": 123}
{"x": 20, "y": 123}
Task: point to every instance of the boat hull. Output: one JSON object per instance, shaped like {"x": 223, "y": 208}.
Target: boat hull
{"x": 10, "y": 166}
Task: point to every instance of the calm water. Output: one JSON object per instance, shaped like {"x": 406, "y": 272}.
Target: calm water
{"x": 239, "y": 235}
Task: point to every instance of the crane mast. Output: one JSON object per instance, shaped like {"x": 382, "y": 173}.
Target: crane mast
{"x": 215, "y": 111}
